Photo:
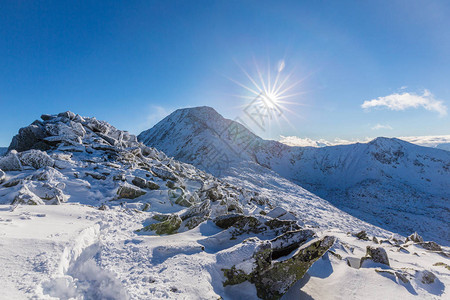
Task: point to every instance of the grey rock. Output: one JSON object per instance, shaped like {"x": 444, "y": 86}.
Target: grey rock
{"x": 427, "y": 277}
{"x": 129, "y": 191}
{"x": 12, "y": 183}
{"x": 376, "y": 254}
{"x": 10, "y": 162}
{"x": 29, "y": 137}
{"x": 36, "y": 159}
{"x": 164, "y": 173}
{"x": 68, "y": 114}
{"x": 95, "y": 175}
{"x": 139, "y": 182}
{"x": 432, "y": 246}
{"x": 289, "y": 241}
{"x": 196, "y": 214}
{"x": 272, "y": 279}
{"x": 2, "y": 176}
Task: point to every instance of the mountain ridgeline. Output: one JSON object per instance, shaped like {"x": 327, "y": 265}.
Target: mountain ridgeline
{"x": 388, "y": 182}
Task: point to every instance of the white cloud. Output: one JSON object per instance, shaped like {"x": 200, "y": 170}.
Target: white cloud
{"x": 381, "y": 126}
{"x": 307, "y": 142}
{"x": 403, "y": 101}
{"x": 157, "y": 114}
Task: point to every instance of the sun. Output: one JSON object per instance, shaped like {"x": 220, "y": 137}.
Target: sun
{"x": 271, "y": 88}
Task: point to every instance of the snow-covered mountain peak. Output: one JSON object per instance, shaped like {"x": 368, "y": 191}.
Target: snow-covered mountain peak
{"x": 371, "y": 180}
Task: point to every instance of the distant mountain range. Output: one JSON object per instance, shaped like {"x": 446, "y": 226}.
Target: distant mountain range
{"x": 437, "y": 141}
{"x": 387, "y": 182}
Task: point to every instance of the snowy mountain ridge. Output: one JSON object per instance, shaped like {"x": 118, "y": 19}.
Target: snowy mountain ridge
{"x": 387, "y": 182}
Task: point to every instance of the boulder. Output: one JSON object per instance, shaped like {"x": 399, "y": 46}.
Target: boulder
{"x": 151, "y": 185}
{"x": 196, "y": 214}
{"x": 68, "y": 115}
{"x": 426, "y": 277}
{"x": 49, "y": 193}
{"x": 178, "y": 196}
{"x": 362, "y": 235}
{"x": 271, "y": 278}
{"x": 164, "y": 173}
{"x": 226, "y": 221}
{"x": 10, "y": 162}
{"x": 139, "y": 182}
{"x": 168, "y": 224}
{"x": 25, "y": 196}
{"x": 12, "y": 182}
{"x": 95, "y": 175}
{"x": 289, "y": 241}
{"x": 376, "y": 254}
{"x": 129, "y": 191}
{"x": 432, "y": 246}
{"x": 29, "y": 137}
{"x": 36, "y": 159}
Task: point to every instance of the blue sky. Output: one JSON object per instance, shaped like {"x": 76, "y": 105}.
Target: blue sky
{"x": 133, "y": 62}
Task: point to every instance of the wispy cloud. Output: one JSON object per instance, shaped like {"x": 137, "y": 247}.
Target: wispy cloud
{"x": 434, "y": 141}
{"x": 381, "y": 126}
{"x": 307, "y": 142}
{"x": 403, "y": 101}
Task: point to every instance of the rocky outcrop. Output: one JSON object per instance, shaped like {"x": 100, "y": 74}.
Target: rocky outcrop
{"x": 129, "y": 191}
{"x": 144, "y": 184}
{"x": 168, "y": 224}
{"x": 426, "y": 277}
{"x": 376, "y": 254}
{"x": 415, "y": 237}
{"x": 196, "y": 214}
{"x": 271, "y": 278}
{"x": 432, "y": 246}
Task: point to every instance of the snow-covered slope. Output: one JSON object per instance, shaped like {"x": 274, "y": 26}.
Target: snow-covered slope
{"x": 388, "y": 182}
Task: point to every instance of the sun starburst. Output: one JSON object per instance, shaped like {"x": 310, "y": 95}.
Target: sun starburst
{"x": 271, "y": 89}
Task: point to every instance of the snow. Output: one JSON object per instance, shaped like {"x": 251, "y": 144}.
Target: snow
{"x": 89, "y": 246}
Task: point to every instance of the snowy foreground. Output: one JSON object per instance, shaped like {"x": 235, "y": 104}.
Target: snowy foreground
{"x": 74, "y": 250}
{"x": 88, "y": 212}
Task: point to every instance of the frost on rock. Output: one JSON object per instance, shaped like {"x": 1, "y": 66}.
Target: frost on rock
{"x": 273, "y": 279}
{"x": 129, "y": 191}
{"x": 36, "y": 159}
{"x": 10, "y": 162}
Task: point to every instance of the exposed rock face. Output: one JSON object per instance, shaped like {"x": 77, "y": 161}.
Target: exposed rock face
{"x": 427, "y": 277}
{"x": 376, "y": 254}
{"x": 415, "y": 237}
{"x": 432, "y": 246}
{"x": 32, "y": 158}
{"x": 129, "y": 191}
{"x": 10, "y": 162}
{"x": 273, "y": 279}
{"x": 362, "y": 235}
{"x": 167, "y": 225}
{"x": 144, "y": 184}
{"x": 197, "y": 214}
{"x": 164, "y": 173}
